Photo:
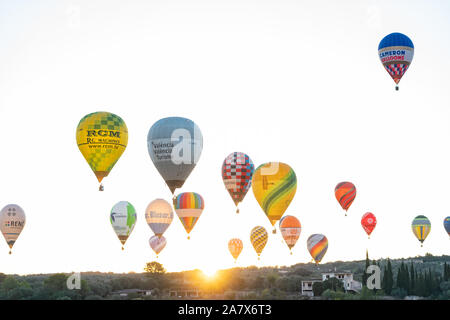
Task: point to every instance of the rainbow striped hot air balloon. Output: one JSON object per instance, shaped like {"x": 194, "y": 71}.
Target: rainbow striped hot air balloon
{"x": 421, "y": 227}
{"x": 274, "y": 185}
{"x": 258, "y": 238}
{"x": 317, "y": 246}
{"x": 290, "y": 228}
{"x": 235, "y": 247}
{"x": 447, "y": 225}
{"x": 189, "y": 206}
{"x": 345, "y": 193}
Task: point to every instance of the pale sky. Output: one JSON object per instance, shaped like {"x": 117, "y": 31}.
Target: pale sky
{"x": 293, "y": 81}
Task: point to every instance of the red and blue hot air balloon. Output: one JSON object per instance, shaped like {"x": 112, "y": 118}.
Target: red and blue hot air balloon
{"x": 396, "y": 52}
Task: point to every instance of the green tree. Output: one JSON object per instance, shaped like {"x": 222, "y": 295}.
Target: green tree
{"x": 154, "y": 267}
{"x": 318, "y": 288}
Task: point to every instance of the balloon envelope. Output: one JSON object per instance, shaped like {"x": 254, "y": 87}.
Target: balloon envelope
{"x": 290, "y": 228}
{"x": 317, "y": 246}
{"x": 189, "y": 206}
{"x": 12, "y": 221}
{"x": 102, "y": 138}
{"x": 235, "y": 246}
{"x": 157, "y": 243}
{"x": 368, "y": 222}
{"x": 175, "y": 145}
{"x": 123, "y": 219}
{"x": 421, "y": 227}
{"x": 159, "y": 216}
{"x": 258, "y": 238}
{"x": 237, "y": 172}
{"x": 396, "y": 52}
{"x": 447, "y": 225}
{"x": 274, "y": 185}
{"x": 345, "y": 193}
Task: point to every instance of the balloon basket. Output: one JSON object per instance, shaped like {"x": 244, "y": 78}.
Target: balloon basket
{"x": 123, "y": 248}
{"x": 274, "y": 231}
{"x": 101, "y": 188}
{"x": 10, "y": 252}
{"x": 396, "y": 88}
{"x": 291, "y": 253}
{"x": 237, "y": 210}
{"x": 188, "y": 237}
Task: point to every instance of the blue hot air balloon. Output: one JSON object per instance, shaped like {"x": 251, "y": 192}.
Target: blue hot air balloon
{"x": 396, "y": 52}
{"x": 175, "y": 145}
{"x": 447, "y": 225}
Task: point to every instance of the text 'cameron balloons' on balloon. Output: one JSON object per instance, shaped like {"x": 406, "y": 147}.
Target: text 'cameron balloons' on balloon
{"x": 317, "y": 245}
{"x": 237, "y": 172}
{"x": 159, "y": 216}
{"x": 235, "y": 246}
{"x": 447, "y": 225}
{"x": 189, "y": 206}
{"x": 175, "y": 145}
{"x": 290, "y": 228}
{"x": 123, "y": 219}
{"x": 396, "y": 52}
{"x": 157, "y": 244}
{"x": 258, "y": 238}
{"x": 421, "y": 227}
{"x": 274, "y": 185}
{"x": 102, "y": 138}
{"x": 12, "y": 221}
{"x": 345, "y": 193}
{"x": 368, "y": 222}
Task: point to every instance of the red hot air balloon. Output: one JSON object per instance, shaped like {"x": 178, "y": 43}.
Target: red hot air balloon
{"x": 345, "y": 193}
{"x": 368, "y": 222}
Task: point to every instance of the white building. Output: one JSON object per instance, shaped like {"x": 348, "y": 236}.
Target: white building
{"x": 345, "y": 276}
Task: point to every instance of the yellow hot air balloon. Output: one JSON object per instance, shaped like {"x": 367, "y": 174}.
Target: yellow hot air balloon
{"x": 274, "y": 185}
{"x": 258, "y": 238}
{"x": 102, "y": 138}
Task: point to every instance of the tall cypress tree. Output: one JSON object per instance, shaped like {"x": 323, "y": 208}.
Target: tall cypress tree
{"x": 365, "y": 276}
{"x": 413, "y": 280}
{"x": 389, "y": 278}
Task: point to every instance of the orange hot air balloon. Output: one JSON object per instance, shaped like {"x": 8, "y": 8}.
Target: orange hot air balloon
{"x": 235, "y": 246}
{"x": 345, "y": 193}
{"x": 290, "y": 228}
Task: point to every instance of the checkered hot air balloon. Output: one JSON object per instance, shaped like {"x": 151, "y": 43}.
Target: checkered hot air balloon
{"x": 345, "y": 193}
{"x": 368, "y": 222}
{"x": 258, "y": 238}
{"x": 396, "y": 52}
{"x": 237, "y": 172}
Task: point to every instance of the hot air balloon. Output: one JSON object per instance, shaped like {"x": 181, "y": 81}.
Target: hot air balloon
{"x": 447, "y": 225}
{"x": 102, "y": 138}
{"x": 290, "y": 228}
{"x": 235, "y": 246}
{"x": 258, "y": 238}
{"x": 12, "y": 221}
{"x": 189, "y": 206}
{"x": 368, "y": 222}
{"x": 421, "y": 227}
{"x": 123, "y": 218}
{"x": 159, "y": 216}
{"x": 396, "y": 52}
{"x": 157, "y": 244}
{"x": 345, "y": 193}
{"x": 274, "y": 185}
{"x": 317, "y": 246}
{"x": 237, "y": 172}
{"x": 175, "y": 145}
